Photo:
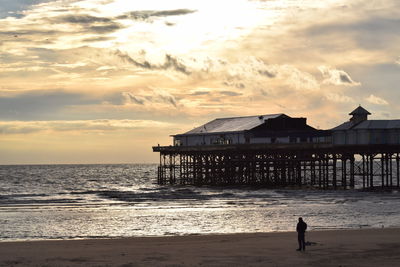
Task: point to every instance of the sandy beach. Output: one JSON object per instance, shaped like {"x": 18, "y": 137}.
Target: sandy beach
{"x": 369, "y": 247}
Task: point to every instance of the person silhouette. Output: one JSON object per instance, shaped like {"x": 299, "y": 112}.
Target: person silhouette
{"x": 301, "y": 230}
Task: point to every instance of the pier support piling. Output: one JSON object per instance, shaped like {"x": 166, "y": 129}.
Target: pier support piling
{"x": 270, "y": 166}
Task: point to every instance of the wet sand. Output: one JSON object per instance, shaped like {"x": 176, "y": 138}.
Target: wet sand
{"x": 369, "y": 247}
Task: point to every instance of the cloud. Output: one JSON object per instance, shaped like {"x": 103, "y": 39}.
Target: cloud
{"x": 174, "y": 63}
{"x": 131, "y": 98}
{"x": 166, "y": 97}
{"x": 14, "y": 8}
{"x": 146, "y": 14}
{"x": 98, "y": 39}
{"x": 339, "y": 98}
{"x": 46, "y": 27}
{"x": 200, "y": 93}
{"x": 27, "y": 127}
{"x": 156, "y": 96}
{"x": 297, "y": 79}
{"x": 252, "y": 73}
{"x": 370, "y": 25}
{"x": 88, "y": 23}
{"x": 230, "y": 93}
{"x": 176, "y": 12}
{"x": 34, "y": 104}
{"x": 170, "y": 62}
{"x": 238, "y": 85}
{"x": 102, "y": 29}
{"x": 267, "y": 73}
{"x": 336, "y": 77}
{"x": 372, "y": 32}
{"x": 55, "y": 104}
{"x": 15, "y": 34}
{"x": 80, "y": 19}
{"x": 376, "y": 100}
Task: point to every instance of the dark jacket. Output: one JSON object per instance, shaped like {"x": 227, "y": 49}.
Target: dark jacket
{"x": 301, "y": 227}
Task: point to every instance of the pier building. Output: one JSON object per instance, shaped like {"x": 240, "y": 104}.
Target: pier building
{"x": 261, "y": 129}
{"x": 361, "y": 131}
{"x": 277, "y": 150}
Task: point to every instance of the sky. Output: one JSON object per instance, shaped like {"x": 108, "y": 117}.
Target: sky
{"x": 102, "y": 81}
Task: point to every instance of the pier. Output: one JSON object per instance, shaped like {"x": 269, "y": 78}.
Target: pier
{"x": 276, "y": 150}
{"x": 322, "y": 166}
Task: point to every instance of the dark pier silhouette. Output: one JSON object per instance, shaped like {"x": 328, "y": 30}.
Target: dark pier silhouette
{"x": 323, "y": 166}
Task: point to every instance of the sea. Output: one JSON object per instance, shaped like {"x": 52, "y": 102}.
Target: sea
{"x": 41, "y": 202}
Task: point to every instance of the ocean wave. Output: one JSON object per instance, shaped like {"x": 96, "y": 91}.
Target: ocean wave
{"x": 38, "y": 201}
{"x": 156, "y": 195}
{"x": 22, "y": 195}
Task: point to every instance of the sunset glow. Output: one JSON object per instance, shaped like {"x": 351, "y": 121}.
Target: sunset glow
{"x": 98, "y": 81}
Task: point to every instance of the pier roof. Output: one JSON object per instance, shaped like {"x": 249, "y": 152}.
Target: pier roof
{"x": 344, "y": 126}
{"x": 360, "y": 111}
{"x": 368, "y": 125}
{"x": 378, "y": 124}
{"x": 235, "y": 124}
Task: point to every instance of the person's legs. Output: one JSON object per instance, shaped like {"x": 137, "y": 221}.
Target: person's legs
{"x": 299, "y": 238}
{"x": 302, "y": 242}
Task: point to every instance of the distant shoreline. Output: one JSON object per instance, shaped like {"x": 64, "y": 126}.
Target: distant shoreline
{"x": 365, "y": 247}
